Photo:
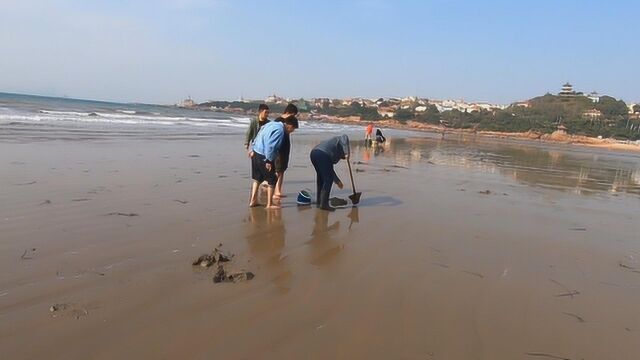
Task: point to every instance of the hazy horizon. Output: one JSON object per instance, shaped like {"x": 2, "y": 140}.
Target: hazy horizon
{"x": 161, "y": 52}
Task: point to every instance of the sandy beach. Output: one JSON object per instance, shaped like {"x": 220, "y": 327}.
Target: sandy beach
{"x": 460, "y": 249}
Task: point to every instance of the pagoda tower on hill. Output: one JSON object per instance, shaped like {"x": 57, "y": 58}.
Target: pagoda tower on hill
{"x": 567, "y": 90}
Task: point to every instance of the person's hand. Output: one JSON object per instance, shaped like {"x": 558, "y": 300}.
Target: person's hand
{"x": 339, "y": 184}
{"x": 346, "y": 157}
{"x": 268, "y": 166}
{"x": 250, "y": 153}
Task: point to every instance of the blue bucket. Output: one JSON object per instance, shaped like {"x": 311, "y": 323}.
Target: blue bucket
{"x": 304, "y": 197}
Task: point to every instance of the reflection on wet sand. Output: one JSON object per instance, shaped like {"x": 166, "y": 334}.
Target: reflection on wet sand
{"x": 581, "y": 171}
{"x": 322, "y": 245}
{"x": 354, "y": 216}
{"x": 266, "y": 239}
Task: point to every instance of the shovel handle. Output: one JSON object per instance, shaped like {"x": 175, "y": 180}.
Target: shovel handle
{"x": 353, "y": 186}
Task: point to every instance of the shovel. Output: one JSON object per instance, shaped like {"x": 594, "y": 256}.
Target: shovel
{"x": 355, "y": 197}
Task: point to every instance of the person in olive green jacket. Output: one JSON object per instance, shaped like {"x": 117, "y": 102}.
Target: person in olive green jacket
{"x": 256, "y": 124}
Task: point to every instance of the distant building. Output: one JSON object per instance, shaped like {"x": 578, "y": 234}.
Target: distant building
{"x": 592, "y": 114}
{"x": 188, "y": 103}
{"x": 449, "y": 103}
{"x": 631, "y": 108}
{"x": 386, "y": 112}
{"x": 524, "y": 104}
{"x": 394, "y": 101}
{"x": 421, "y": 108}
{"x": 275, "y": 99}
{"x": 567, "y": 90}
{"x": 321, "y": 102}
{"x": 594, "y": 96}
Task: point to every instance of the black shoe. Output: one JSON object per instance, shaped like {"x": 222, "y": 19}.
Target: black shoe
{"x": 327, "y": 208}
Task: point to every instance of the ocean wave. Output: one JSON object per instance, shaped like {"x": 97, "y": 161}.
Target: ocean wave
{"x": 129, "y": 116}
{"x": 244, "y": 120}
{"x": 64, "y": 113}
{"x": 140, "y": 118}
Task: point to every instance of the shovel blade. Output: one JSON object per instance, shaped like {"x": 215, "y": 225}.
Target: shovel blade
{"x": 355, "y": 197}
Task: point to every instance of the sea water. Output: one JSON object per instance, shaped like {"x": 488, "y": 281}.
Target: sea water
{"x": 38, "y": 117}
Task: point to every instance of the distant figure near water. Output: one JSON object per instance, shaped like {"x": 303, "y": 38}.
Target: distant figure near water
{"x": 368, "y": 134}
{"x": 379, "y": 137}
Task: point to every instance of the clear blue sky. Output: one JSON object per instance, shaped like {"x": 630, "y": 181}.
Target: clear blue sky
{"x": 161, "y": 51}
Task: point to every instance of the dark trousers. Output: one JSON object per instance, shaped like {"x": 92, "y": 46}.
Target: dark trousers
{"x": 324, "y": 176}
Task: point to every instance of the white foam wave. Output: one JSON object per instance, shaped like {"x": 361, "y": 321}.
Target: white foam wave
{"x": 243, "y": 120}
{"x": 234, "y": 123}
{"x": 66, "y": 113}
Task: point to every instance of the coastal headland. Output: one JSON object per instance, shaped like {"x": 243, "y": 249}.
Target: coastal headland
{"x": 569, "y": 117}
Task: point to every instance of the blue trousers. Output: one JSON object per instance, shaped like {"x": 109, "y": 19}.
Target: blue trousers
{"x": 325, "y": 176}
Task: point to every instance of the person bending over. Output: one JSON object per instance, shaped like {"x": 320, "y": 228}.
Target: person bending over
{"x": 323, "y": 157}
{"x": 379, "y": 137}
{"x": 265, "y": 149}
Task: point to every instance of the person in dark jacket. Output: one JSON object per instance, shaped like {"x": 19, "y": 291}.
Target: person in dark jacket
{"x": 282, "y": 161}
{"x": 379, "y": 137}
{"x": 323, "y": 157}
{"x": 255, "y": 125}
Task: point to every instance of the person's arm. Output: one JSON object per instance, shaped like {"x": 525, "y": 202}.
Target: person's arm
{"x": 336, "y": 179}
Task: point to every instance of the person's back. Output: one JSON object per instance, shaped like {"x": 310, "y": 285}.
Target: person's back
{"x": 336, "y": 147}
{"x": 269, "y": 140}
{"x": 379, "y": 137}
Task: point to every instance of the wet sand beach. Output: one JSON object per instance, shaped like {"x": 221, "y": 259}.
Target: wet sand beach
{"x": 459, "y": 249}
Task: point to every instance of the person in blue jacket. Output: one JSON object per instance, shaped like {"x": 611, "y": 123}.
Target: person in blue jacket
{"x": 265, "y": 149}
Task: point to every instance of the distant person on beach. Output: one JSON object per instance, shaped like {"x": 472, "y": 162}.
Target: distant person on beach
{"x": 379, "y": 137}
{"x": 323, "y": 157}
{"x": 368, "y": 133}
{"x": 265, "y": 149}
{"x": 282, "y": 161}
{"x": 255, "y": 125}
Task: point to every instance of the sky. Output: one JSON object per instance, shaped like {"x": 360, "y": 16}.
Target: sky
{"x": 165, "y": 50}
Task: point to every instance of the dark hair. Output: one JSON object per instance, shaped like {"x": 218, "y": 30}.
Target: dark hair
{"x": 291, "y": 109}
{"x": 262, "y": 107}
{"x": 292, "y": 120}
